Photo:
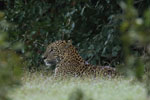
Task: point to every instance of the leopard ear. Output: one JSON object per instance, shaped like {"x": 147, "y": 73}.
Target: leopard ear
{"x": 69, "y": 43}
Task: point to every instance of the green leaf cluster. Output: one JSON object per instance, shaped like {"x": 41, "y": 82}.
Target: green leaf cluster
{"x": 93, "y": 27}
{"x": 136, "y": 34}
{"x": 10, "y": 63}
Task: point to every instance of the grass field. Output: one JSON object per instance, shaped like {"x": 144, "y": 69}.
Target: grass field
{"x": 39, "y": 87}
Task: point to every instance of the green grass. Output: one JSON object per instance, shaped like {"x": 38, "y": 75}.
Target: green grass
{"x": 39, "y": 87}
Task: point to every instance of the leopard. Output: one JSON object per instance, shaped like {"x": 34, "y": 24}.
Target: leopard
{"x": 68, "y": 62}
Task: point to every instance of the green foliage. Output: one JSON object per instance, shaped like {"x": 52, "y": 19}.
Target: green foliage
{"x": 136, "y": 32}
{"x": 92, "y": 25}
{"x": 10, "y": 63}
{"x": 78, "y": 94}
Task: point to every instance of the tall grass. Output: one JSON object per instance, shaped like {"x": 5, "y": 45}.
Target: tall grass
{"x": 41, "y": 87}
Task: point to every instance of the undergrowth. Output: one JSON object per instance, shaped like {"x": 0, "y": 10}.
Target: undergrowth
{"x": 37, "y": 86}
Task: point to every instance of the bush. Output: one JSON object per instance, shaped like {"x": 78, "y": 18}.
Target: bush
{"x": 92, "y": 25}
{"x": 10, "y": 63}
{"x": 136, "y": 32}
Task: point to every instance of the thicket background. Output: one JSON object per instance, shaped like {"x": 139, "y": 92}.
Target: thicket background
{"x": 92, "y": 25}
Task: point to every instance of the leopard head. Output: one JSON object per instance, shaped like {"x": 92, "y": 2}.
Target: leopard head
{"x": 55, "y": 51}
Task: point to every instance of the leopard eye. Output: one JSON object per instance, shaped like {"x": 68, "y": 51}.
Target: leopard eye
{"x": 50, "y": 50}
